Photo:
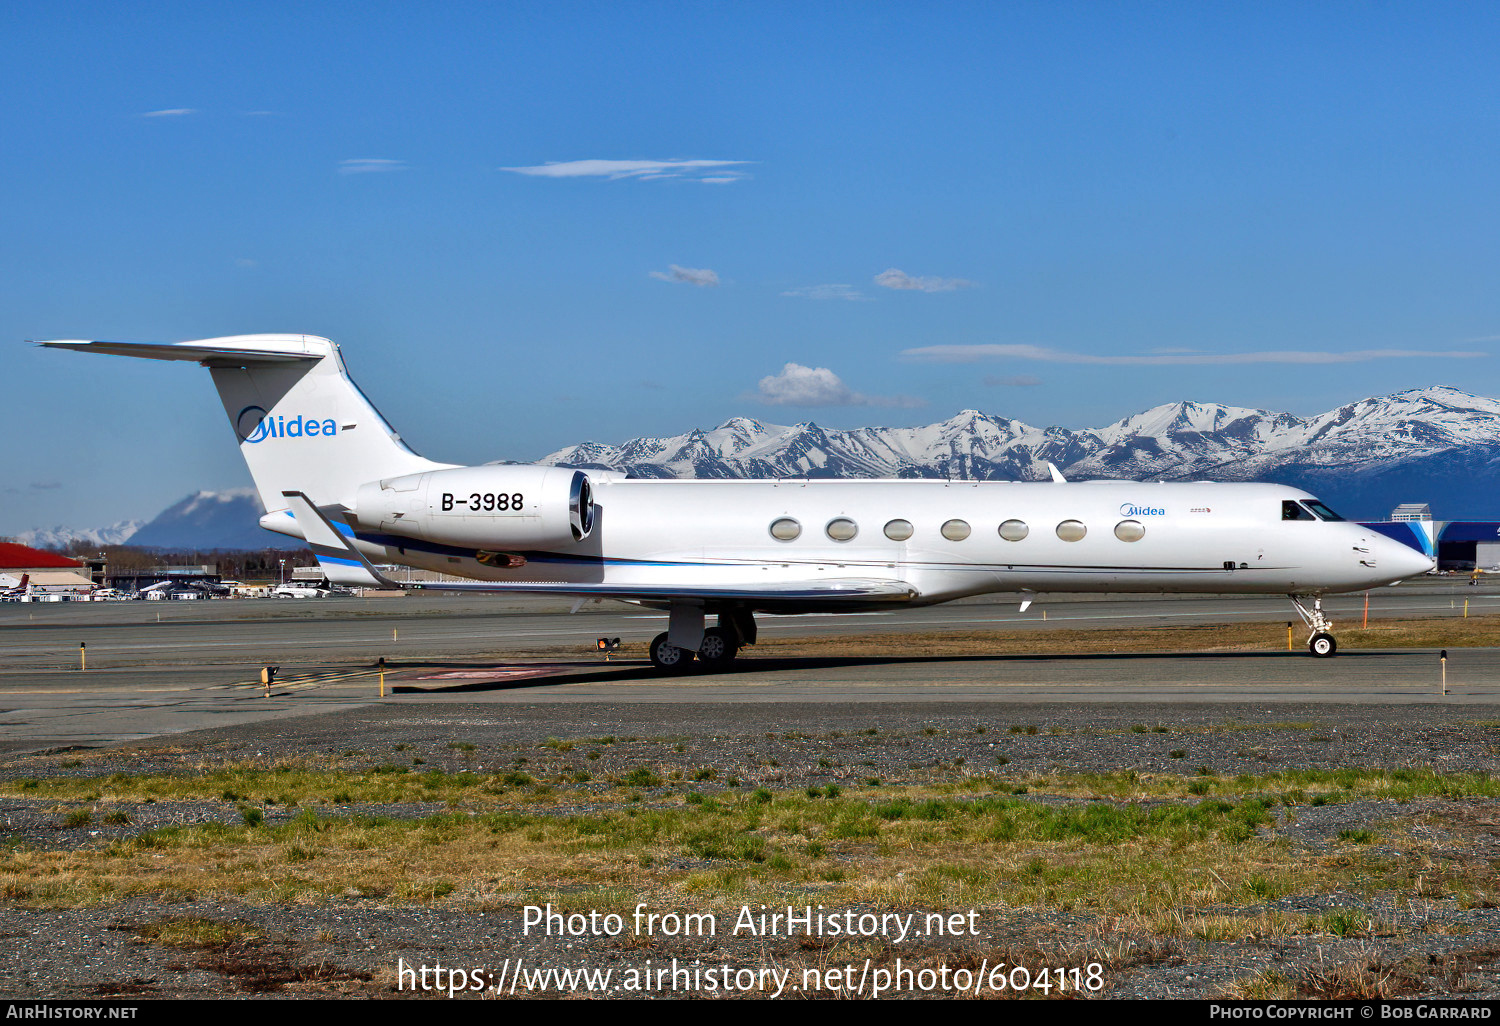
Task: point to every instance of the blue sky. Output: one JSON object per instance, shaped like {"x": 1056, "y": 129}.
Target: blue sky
{"x": 534, "y": 224}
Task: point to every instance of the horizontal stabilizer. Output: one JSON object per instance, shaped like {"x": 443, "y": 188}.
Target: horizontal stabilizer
{"x": 340, "y": 561}
{"x": 232, "y": 351}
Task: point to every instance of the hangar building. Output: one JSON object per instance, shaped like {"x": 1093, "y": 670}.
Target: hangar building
{"x": 1458, "y": 544}
{"x": 47, "y": 572}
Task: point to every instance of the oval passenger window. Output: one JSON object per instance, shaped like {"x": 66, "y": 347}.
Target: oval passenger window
{"x": 898, "y": 530}
{"x": 955, "y": 530}
{"x": 1071, "y": 530}
{"x": 842, "y": 529}
{"x": 785, "y": 529}
{"x": 1014, "y": 530}
{"x": 1130, "y": 530}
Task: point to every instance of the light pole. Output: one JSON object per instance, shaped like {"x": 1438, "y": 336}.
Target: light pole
{"x": 281, "y": 576}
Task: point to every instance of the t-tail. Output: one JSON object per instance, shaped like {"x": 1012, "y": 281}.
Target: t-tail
{"x": 302, "y": 423}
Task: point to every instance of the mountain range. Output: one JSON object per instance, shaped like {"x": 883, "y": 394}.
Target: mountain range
{"x": 204, "y": 520}
{"x": 1438, "y": 445}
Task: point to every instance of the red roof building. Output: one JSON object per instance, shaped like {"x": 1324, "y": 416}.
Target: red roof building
{"x": 20, "y": 557}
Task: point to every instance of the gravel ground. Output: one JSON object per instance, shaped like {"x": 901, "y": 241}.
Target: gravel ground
{"x": 1412, "y": 945}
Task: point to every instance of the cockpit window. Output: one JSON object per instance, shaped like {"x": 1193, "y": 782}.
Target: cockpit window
{"x": 1323, "y": 512}
{"x": 1293, "y": 510}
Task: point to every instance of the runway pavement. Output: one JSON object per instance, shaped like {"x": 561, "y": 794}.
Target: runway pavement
{"x": 166, "y": 667}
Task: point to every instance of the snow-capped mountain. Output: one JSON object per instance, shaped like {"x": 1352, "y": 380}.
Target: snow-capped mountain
{"x": 1439, "y": 445}
{"x": 227, "y": 520}
{"x": 59, "y": 536}
{"x": 210, "y": 520}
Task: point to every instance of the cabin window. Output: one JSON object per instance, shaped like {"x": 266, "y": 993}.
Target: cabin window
{"x": 1291, "y": 510}
{"x": 1323, "y": 512}
{"x": 785, "y": 529}
{"x": 1014, "y": 530}
{"x": 1130, "y": 530}
{"x": 1071, "y": 530}
{"x": 842, "y": 529}
{"x": 898, "y": 530}
{"x": 955, "y": 530}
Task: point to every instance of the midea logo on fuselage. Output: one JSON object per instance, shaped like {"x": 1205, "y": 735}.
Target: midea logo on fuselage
{"x": 1128, "y": 510}
{"x": 253, "y": 425}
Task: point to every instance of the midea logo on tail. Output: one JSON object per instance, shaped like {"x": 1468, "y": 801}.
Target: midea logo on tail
{"x": 254, "y": 425}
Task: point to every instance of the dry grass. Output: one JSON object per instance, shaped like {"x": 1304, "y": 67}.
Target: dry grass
{"x": 908, "y": 849}
{"x": 249, "y": 785}
{"x": 1451, "y": 632}
{"x": 191, "y": 933}
{"x": 1050, "y": 638}
{"x": 1371, "y": 974}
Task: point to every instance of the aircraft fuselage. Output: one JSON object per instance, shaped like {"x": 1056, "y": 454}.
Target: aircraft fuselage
{"x": 1106, "y": 536}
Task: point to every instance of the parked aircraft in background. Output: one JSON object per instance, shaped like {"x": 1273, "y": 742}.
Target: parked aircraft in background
{"x": 20, "y": 590}
{"x": 298, "y": 591}
{"x": 333, "y": 472}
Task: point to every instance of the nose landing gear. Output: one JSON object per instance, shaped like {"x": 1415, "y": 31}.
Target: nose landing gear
{"x": 1322, "y": 643}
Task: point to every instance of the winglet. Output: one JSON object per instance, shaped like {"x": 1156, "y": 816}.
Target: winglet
{"x": 341, "y": 562}
{"x": 1057, "y": 477}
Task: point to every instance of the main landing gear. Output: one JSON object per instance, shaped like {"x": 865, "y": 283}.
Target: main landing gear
{"x": 686, "y": 638}
{"x": 1322, "y": 643}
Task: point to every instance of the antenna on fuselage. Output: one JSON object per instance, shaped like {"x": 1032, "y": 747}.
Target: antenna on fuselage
{"x": 1057, "y": 477}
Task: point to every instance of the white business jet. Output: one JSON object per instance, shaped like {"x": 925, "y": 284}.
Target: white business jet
{"x": 334, "y": 473}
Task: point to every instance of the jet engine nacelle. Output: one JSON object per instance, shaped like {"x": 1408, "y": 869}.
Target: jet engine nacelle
{"x": 486, "y": 507}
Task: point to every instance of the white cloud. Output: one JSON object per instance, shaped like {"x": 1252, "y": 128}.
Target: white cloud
{"x": 714, "y": 171}
{"x": 827, "y": 292}
{"x": 974, "y": 354}
{"x": 172, "y": 112}
{"x": 370, "y": 165}
{"x": 702, "y": 277}
{"x": 1015, "y": 381}
{"x": 797, "y": 385}
{"x": 897, "y": 279}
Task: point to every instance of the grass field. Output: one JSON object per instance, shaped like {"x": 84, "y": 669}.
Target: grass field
{"x": 1165, "y": 849}
{"x": 1052, "y": 638}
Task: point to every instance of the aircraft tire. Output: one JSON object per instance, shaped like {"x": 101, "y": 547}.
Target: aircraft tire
{"x": 718, "y": 649}
{"x": 1322, "y": 645}
{"x": 667, "y": 657}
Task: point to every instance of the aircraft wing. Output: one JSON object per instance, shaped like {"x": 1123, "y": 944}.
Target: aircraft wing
{"x": 840, "y": 590}
{"x": 344, "y": 564}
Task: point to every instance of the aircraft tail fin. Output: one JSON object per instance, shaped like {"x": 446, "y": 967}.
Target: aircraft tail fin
{"x": 301, "y": 421}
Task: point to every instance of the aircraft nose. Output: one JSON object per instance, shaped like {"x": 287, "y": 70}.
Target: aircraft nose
{"x": 1401, "y": 561}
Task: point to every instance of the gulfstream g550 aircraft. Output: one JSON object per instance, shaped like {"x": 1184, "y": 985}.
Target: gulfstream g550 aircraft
{"x": 334, "y": 473}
